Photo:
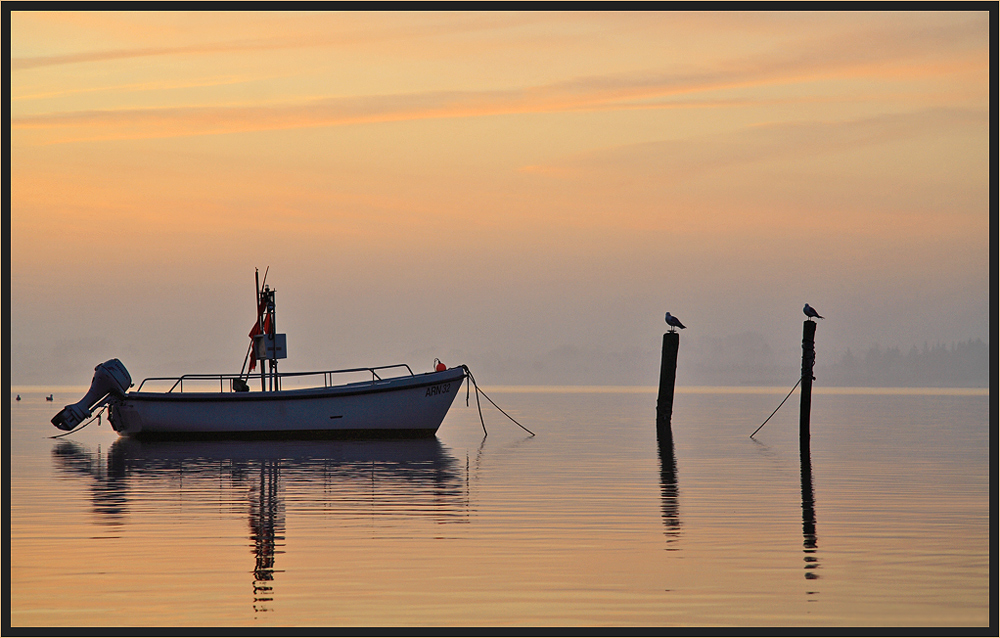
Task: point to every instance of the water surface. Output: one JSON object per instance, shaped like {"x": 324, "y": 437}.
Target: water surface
{"x": 595, "y": 521}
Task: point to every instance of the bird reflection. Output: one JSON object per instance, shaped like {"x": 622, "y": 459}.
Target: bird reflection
{"x": 385, "y": 477}
{"x": 809, "y": 544}
{"x": 668, "y": 486}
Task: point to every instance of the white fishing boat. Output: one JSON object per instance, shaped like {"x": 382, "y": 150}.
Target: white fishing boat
{"x": 388, "y": 401}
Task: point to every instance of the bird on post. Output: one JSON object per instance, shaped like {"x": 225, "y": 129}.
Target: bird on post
{"x": 674, "y": 322}
{"x": 811, "y": 312}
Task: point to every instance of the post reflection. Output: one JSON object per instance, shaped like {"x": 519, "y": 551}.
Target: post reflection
{"x": 668, "y": 486}
{"x": 343, "y": 479}
{"x": 809, "y": 541}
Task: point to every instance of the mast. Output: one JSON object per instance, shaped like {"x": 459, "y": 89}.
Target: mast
{"x": 256, "y": 275}
{"x": 270, "y": 347}
{"x": 265, "y": 343}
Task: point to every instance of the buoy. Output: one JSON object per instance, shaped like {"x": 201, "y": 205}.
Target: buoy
{"x": 439, "y": 366}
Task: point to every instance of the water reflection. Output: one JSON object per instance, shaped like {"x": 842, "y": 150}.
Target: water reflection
{"x": 341, "y": 479}
{"x": 267, "y": 526}
{"x": 107, "y": 490}
{"x": 809, "y": 544}
{"x": 668, "y": 486}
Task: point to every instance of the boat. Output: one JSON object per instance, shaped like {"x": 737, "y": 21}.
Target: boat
{"x": 375, "y": 402}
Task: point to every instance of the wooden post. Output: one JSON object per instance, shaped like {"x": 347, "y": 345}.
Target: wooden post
{"x": 808, "y": 360}
{"x": 668, "y": 374}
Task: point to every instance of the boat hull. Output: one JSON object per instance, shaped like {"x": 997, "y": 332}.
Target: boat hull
{"x": 400, "y": 407}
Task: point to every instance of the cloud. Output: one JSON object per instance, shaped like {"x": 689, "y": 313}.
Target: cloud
{"x": 34, "y": 62}
{"x": 133, "y": 123}
{"x": 210, "y": 120}
{"x": 866, "y": 54}
{"x": 299, "y": 30}
{"x": 684, "y": 159}
{"x": 245, "y": 45}
{"x": 134, "y": 87}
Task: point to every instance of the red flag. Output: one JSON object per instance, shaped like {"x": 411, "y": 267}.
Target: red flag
{"x": 256, "y": 331}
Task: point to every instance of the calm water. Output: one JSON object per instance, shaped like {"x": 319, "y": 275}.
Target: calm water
{"x": 591, "y": 522}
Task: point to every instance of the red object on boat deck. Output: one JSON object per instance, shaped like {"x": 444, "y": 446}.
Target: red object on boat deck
{"x": 439, "y": 366}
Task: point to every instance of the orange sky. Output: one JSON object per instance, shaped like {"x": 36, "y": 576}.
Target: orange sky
{"x": 491, "y": 186}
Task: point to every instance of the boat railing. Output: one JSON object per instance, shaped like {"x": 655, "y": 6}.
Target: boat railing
{"x": 278, "y": 379}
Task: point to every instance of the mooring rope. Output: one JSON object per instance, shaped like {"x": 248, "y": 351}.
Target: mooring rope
{"x": 478, "y": 391}
{"x": 96, "y": 417}
{"x": 779, "y": 406}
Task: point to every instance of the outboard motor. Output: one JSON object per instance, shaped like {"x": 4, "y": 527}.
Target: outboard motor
{"x": 111, "y": 380}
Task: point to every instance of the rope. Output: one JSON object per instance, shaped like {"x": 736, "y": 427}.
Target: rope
{"x": 478, "y": 405}
{"x": 96, "y": 417}
{"x": 478, "y": 392}
{"x": 779, "y": 406}
{"x": 468, "y": 391}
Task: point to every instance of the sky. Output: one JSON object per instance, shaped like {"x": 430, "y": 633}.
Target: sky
{"x": 524, "y": 193}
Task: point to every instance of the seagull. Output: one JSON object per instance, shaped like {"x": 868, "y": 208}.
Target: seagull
{"x": 811, "y": 312}
{"x": 673, "y": 322}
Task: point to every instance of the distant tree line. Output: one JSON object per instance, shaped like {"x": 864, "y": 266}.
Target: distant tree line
{"x": 963, "y": 364}
{"x": 746, "y": 360}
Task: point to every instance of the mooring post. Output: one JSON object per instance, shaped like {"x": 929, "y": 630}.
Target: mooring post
{"x": 668, "y": 374}
{"x": 808, "y": 359}
{"x": 808, "y": 502}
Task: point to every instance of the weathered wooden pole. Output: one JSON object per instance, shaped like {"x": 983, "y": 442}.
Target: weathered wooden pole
{"x": 668, "y": 374}
{"x": 809, "y": 543}
{"x": 808, "y": 360}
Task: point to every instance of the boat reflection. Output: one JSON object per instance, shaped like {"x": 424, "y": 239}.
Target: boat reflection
{"x": 668, "y": 486}
{"x": 338, "y": 478}
{"x": 108, "y": 491}
{"x": 267, "y": 526}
